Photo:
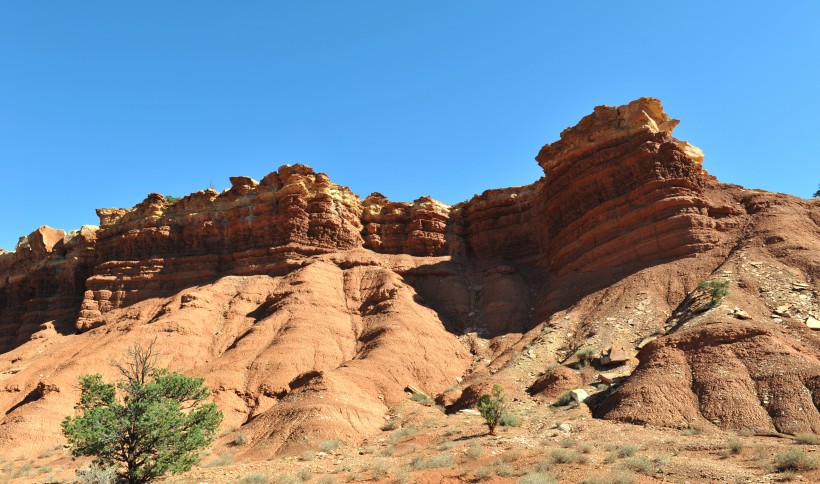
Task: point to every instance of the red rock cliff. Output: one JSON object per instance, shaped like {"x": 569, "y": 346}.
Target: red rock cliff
{"x": 304, "y": 304}
{"x": 621, "y": 189}
{"x": 618, "y": 189}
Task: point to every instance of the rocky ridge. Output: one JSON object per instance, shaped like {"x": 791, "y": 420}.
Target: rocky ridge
{"x": 310, "y": 310}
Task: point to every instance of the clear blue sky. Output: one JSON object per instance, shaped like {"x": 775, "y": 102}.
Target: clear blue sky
{"x": 103, "y": 102}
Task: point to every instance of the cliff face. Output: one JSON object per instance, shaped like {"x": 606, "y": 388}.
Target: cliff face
{"x": 618, "y": 189}
{"x": 621, "y": 189}
{"x": 253, "y": 228}
{"x": 308, "y": 308}
{"x": 43, "y": 282}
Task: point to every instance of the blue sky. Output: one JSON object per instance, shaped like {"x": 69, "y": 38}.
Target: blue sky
{"x": 104, "y": 102}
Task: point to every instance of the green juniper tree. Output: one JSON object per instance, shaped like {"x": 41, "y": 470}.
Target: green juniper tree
{"x": 153, "y": 425}
{"x": 492, "y": 407}
{"x": 817, "y": 193}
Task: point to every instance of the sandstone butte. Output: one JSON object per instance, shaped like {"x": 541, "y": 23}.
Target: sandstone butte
{"x": 309, "y": 310}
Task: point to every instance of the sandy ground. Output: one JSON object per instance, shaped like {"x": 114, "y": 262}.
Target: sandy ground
{"x": 428, "y": 446}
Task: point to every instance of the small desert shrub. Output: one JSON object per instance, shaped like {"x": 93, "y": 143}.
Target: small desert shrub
{"x": 23, "y": 471}
{"x": 431, "y": 423}
{"x": 400, "y": 434}
{"x": 172, "y": 199}
{"x": 308, "y": 455}
{"x": 563, "y": 456}
{"x": 794, "y": 460}
{"x": 46, "y": 454}
{"x": 436, "y": 462}
{"x": 717, "y": 290}
{"x": 542, "y": 467}
{"x": 585, "y": 448}
{"x": 551, "y": 368}
{"x": 563, "y": 399}
{"x": 619, "y": 477}
{"x": 240, "y": 439}
{"x": 473, "y": 452}
{"x": 627, "y": 451}
{"x": 379, "y": 470}
{"x": 692, "y": 431}
{"x": 733, "y": 447}
{"x": 567, "y": 443}
{"x": 446, "y": 446}
{"x": 745, "y": 432}
{"x": 329, "y": 445}
{"x": 509, "y": 420}
{"x": 305, "y": 475}
{"x": 638, "y": 463}
{"x": 422, "y": 399}
{"x": 622, "y": 477}
{"x": 224, "y": 459}
{"x": 327, "y": 480}
{"x": 483, "y": 473}
{"x": 807, "y": 438}
{"x": 390, "y": 425}
{"x": 440, "y": 461}
{"x": 254, "y": 478}
{"x": 537, "y": 478}
{"x": 585, "y": 355}
{"x": 511, "y": 456}
{"x": 504, "y": 470}
{"x": 95, "y": 474}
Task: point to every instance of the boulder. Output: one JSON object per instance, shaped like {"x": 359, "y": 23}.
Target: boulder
{"x": 740, "y": 314}
{"x": 579, "y": 395}
{"x": 243, "y": 184}
{"x": 616, "y": 355}
{"x": 783, "y": 310}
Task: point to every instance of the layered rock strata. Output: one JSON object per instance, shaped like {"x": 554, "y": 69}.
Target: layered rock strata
{"x": 620, "y": 189}
{"x": 309, "y": 309}
{"x": 42, "y": 283}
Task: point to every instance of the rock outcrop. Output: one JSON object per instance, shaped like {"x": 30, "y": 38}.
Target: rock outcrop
{"x": 621, "y": 189}
{"x": 309, "y": 309}
{"x": 42, "y": 283}
{"x": 416, "y": 228}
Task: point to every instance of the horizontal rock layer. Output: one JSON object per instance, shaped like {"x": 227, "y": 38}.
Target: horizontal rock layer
{"x": 618, "y": 190}
{"x": 309, "y": 309}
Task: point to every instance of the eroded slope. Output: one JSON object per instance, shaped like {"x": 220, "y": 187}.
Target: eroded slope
{"x": 309, "y": 310}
